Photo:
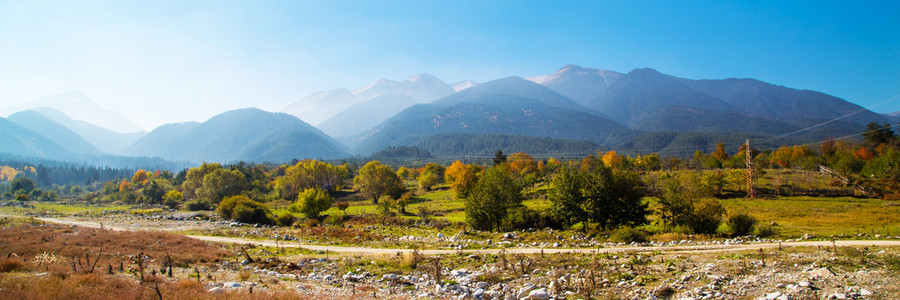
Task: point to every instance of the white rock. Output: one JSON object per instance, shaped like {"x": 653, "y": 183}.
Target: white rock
{"x": 538, "y": 294}
{"x": 865, "y": 292}
{"x": 215, "y": 290}
{"x": 773, "y": 296}
{"x": 804, "y": 283}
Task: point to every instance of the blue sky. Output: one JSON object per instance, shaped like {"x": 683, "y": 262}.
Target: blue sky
{"x": 164, "y": 61}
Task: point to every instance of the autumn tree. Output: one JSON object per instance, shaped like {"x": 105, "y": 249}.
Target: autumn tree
{"x": 308, "y": 174}
{"x": 461, "y": 178}
{"x": 173, "y": 198}
{"x": 376, "y": 179}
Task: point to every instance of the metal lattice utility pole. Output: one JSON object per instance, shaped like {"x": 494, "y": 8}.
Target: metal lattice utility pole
{"x": 751, "y": 185}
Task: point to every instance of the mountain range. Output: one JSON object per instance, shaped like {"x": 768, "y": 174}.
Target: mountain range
{"x": 573, "y": 110}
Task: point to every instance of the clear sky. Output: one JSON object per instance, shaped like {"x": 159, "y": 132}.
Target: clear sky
{"x": 164, "y": 61}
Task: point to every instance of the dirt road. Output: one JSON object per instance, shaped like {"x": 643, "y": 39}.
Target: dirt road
{"x": 389, "y": 251}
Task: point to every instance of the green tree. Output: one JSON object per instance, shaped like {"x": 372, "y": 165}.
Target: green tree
{"x": 567, "y": 198}
{"x": 194, "y": 179}
{"x": 376, "y": 179}
{"x": 676, "y": 202}
{"x": 312, "y": 203}
{"x": 614, "y": 198}
{"x": 878, "y": 134}
{"x": 221, "y": 183}
{"x": 499, "y": 157}
{"x": 23, "y": 185}
{"x": 491, "y": 198}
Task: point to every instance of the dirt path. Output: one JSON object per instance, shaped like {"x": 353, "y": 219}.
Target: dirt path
{"x": 388, "y": 251}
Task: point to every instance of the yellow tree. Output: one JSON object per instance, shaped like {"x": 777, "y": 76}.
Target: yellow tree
{"x": 612, "y": 159}
{"x": 521, "y": 163}
{"x": 141, "y": 177}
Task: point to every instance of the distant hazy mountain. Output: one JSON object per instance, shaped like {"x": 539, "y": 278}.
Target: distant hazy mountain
{"x": 459, "y": 86}
{"x": 511, "y": 106}
{"x": 582, "y": 85}
{"x": 362, "y": 116}
{"x": 53, "y": 131}
{"x": 321, "y": 106}
{"x": 239, "y": 135}
{"x": 424, "y": 88}
{"x": 17, "y": 140}
{"x": 101, "y": 138}
{"x": 77, "y": 106}
{"x": 514, "y": 87}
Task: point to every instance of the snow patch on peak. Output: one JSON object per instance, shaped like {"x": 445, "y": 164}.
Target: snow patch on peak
{"x": 462, "y": 85}
{"x": 540, "y": 79}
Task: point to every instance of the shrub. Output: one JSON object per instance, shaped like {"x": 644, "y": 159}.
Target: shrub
{"x": 428, "y": 180}
{"x": 197, "y": 204}
{"x": 312, "y": 203}
{"x": 706, "y": 217}
{"x": 334, "y": 220}
{"x": 766, "y": 231}
{"x": 10, "y": 265}
{"x": 741, "y": 224}
{"x": 285, "y": 219}
{"x": 242, "y": 209}
{"x": 629, "y": 235}
{"x": 521, "y": 218}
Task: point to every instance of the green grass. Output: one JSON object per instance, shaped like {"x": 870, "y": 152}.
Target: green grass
{"x": 76, "y": 208}
{"x": 823, "y": 216}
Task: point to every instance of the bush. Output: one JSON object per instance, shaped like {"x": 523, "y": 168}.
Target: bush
{"x": 312, "y": 203}
{"x": 741, "y": 224}
{"x": 285, "y": 220}
{"x": 521, "y": 218}
{"x": 334, "y": 220}
{"x": 242, "y": 209}
{"x": 195, "y": 205}
{"x": 629, "y": 235}
{"x": 706, "y": 217}
{"x": 766, "y": 231}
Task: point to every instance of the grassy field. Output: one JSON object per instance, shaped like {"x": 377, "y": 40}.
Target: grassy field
{"x": 823, "y": 217}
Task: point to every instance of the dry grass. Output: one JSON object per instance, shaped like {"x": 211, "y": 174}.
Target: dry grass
{"x": 96, "y": 286}
{"x": 82, "y": 246}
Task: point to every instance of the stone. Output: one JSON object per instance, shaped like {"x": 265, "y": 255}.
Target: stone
{"x": 389, "y": 277}
{"x": 482, "y": 285}
{"x": 215, "y": 290}
{"x": 823, "y": 272}
{"x": 538, "y": 294}
{"x": 773, "y": 296}
{"x": 804, "y": 284}
{"x": 232, "y": 284}
{"x": 865, "y": 292}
